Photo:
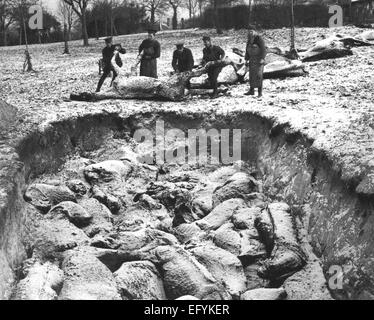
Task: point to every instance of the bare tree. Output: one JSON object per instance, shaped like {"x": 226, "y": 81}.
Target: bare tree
{"x": 68, "y": 16}
{"x": 250, "y": 4}
{"x": 114, "y": 5}
{"x": 6, "y": 18}
{"x": 201, "y": 4}
{"x": 292, "y": 25}
{"x": 80, "y": 8}
{"x": 216, "y": 4}
{"x": 22, "y": 8}
{"x": 192, "y": 6}
{"x": 100, "y": 13}
{"x": 217, "y": 25}
{"x": 175, "y": 5}
{"x": 154, "y": 6}
{"x": 19, "y": 13}
{"x": 111, "y": 18}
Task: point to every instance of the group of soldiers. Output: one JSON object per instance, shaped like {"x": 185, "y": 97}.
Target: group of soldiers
{"x": 183, "y": 60}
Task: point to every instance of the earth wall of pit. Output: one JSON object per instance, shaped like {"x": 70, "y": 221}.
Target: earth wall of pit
{"x": 339, "y": 221}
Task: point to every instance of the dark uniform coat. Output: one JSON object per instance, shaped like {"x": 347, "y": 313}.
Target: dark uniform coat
{"x": 108, "y": 55}
{"x": 148, "y": 64}
{"x": 213, "y": 54}
{"x": 256, "y": 51}
{"x": 183, "y": 60}
{"x": 107, "y": 64}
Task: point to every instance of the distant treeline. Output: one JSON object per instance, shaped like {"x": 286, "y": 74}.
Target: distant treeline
{"x": 267, "y": 16}
{"x": 51, "y": 33}
{"x": 124, "y": 19}
{"x": 271, "y": 15}
{"x": 105, "y": 18}
{"x": 102, "y": 20}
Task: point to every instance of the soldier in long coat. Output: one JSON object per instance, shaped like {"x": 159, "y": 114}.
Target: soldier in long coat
{"x": 255, "y": 57}
{"x": 149, "y": 52}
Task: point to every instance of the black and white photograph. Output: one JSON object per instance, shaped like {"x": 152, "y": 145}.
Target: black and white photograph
{"x": 194, "y": 156}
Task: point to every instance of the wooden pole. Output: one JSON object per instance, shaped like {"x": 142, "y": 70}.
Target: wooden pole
{"x": 292, "y": 26}
{"x": 24, "y": 29}
{"x": 27, "y": 65}
{"x": 293, "y": 54}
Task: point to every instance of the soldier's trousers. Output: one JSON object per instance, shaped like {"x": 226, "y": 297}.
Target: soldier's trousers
{"x": 213, "y": 73}
{"x": 105, "y": 75}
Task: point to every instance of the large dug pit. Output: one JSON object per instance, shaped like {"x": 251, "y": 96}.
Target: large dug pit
{"x": 118, "y": 208}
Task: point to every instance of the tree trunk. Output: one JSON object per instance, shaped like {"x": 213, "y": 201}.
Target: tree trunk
{"x": 27, "y": 65}
{"x": 175, "y": 17}
{"x": 25, "y": 35}
{"x": 69, "y": 31}
{"x": 106, "y": 25}
{"x": 292, "y": 26}
{"x": 111, "y": 22}
{"x": 4, "y": 34}
{"x": 216, "y": 18}
{"x": 96, "y": 29}
{"x": 250, "y": 12}
{"x": 66, "y": 39}
{"x": 153, "y": 15}
{"x": 84, "y": 28}
{"x": 5, "y": 38}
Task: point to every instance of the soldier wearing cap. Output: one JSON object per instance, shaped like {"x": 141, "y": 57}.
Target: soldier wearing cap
{"x": 183, "y": 60}
{"x": 212, "y": 60}
{"x": 255, "y": 57}
{"x": 108, "y": 52}
{"x": 149, "y": 52}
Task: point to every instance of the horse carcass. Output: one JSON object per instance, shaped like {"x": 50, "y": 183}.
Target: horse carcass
{"x": 329, "y": 48}
{"x": 276, "y": 66}
{"x": 276, "y": 230}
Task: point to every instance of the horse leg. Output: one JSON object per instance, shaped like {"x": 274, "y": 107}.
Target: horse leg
{"x": 97, "y": 96}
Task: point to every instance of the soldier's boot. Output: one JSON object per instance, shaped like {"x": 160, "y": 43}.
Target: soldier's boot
{"x": 251, "y": 92}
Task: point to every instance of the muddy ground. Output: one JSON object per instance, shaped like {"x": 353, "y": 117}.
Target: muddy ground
{"x": 333, "y": 105}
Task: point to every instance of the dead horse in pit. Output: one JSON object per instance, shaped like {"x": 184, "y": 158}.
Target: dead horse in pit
{"x": 144, "y": 88}
{"x": 276, "y": 230}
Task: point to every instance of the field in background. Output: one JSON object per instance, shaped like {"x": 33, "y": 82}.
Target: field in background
{"x": 58, "y": 75}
